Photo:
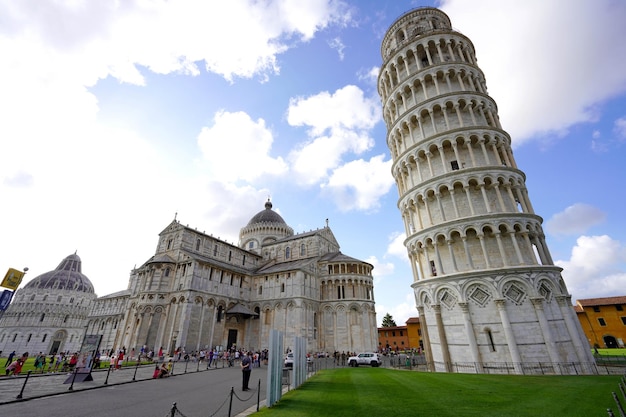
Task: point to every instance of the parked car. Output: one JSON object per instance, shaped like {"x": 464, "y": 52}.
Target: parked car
{"x": 367, "y": 358}
{"x": 289, "y": 360}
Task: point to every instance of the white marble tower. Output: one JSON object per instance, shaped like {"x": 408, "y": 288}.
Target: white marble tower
{"x": 488, "y": 293}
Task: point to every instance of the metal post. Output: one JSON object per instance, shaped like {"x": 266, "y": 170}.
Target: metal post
{"x": 173, "y": 411}
{"x": 258, "y": 395}
{"x": 106, "y": 381}
{"x": 135, "y": 374}
{"x": 71, "y": 388}
{"x": 230, "y": 405}
{"x": 19, "y": 396}
{"x": 186, "y": 363}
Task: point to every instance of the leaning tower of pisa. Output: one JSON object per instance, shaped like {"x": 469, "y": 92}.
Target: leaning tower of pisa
{"x": 489, "y": 296}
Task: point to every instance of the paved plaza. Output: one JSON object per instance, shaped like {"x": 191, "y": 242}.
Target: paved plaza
{"x": 131, "y": 391}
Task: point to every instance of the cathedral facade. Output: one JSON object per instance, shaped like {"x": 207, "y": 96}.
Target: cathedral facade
{"x": 200, "y": 292}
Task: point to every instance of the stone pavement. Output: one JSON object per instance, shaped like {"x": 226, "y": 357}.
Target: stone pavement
{"x": 131, "y": 391}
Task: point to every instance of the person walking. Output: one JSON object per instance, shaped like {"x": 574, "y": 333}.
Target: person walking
{"x": 10, "y": 359}
{"x": 246, "y": 370}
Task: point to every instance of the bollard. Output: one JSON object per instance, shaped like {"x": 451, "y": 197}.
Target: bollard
{"x": 173, "y": 411}
{"x": 186, "y": 363}
{"x": 106, "y": 381}
{"x": 19, "y": 396}
{"x": 230, "y": 405}
{"x": 71, "y": 388}
{"x": 135, "y": 374}
{"x": 258, "y": 395}
{"x": 198, "y": 367}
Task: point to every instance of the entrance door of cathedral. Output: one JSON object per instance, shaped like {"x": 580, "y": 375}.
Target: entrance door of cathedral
{"x": 232, "y": 338}
{"x": 55, "y": 347}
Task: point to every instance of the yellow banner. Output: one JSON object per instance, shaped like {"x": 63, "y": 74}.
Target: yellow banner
{"x": 12, "y": 279}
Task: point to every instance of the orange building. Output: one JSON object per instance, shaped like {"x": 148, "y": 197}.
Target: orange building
{"x": 414, "y": 331}
{"x": 401, "y": 337}
{"x": 603, "y": 320}
{"x": 394, "y": 338}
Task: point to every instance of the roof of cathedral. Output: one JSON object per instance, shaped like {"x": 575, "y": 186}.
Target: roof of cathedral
{"x": 340, "y": 257}
{"x": 266, "y": 216}
{"x": 67, "y": 276}
{"x": 122, "y": 293}
{"x": 285, "y": 266}
{"x": 161, "y": 258}
{"x": 241, "y": 309}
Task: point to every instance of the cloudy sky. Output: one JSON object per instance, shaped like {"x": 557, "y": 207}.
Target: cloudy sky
{"x": 117, "y": 116}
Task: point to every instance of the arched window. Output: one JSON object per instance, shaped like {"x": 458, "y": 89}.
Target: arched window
{"x": 302, "y": 249}
{"x": 257, "y": 310}
{"x": 167, "y": 272}
{"x": 43, "y": 316}
{"x": 198, "y": 244}
{"x": 287, "y": 252}
{"x": 219, "y": 313}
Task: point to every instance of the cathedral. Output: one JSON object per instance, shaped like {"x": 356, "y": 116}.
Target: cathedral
{"x": 200, "y": 292}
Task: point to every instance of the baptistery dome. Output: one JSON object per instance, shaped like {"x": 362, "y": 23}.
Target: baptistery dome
{"x": 66, "y": 276}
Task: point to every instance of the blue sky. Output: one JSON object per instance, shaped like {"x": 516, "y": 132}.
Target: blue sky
{"x": 115, "y": 116}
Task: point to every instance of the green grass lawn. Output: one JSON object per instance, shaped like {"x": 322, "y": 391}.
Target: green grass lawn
{"x": 29, "y": 365}
{"x": 386, "y": 392}
{"x": 612, "y": 352}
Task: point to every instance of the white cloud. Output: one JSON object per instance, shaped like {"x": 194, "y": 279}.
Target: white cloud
{"x": 540, "y": 58}
{"x": 236, "y": 147}
{"x": 575, "y": 219}
{"x": 401, "y": 312}
{"x": 338, "y": 45}
{"x": 359, "y": 184}
{"x": 369, "y": 75}
{"x": 596, "y": 268}
{"x": 396, "y": 246}
{"x": 620, "y": 128}
{"x": 381, "y": 269}
{"x": 347, "y": 108}
{"x": 337, "y": 124}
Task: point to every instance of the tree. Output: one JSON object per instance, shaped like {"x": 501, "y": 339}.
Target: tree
{"x": 388, "y": 321}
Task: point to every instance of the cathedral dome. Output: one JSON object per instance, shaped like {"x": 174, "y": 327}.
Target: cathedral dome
{"x": 263, "y": 228}
{"x": 266, "y": 216}
{"x": 67, "y": 276}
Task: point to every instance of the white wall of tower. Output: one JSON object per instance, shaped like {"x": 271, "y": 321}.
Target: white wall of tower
{"x": 484, "y": 280}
